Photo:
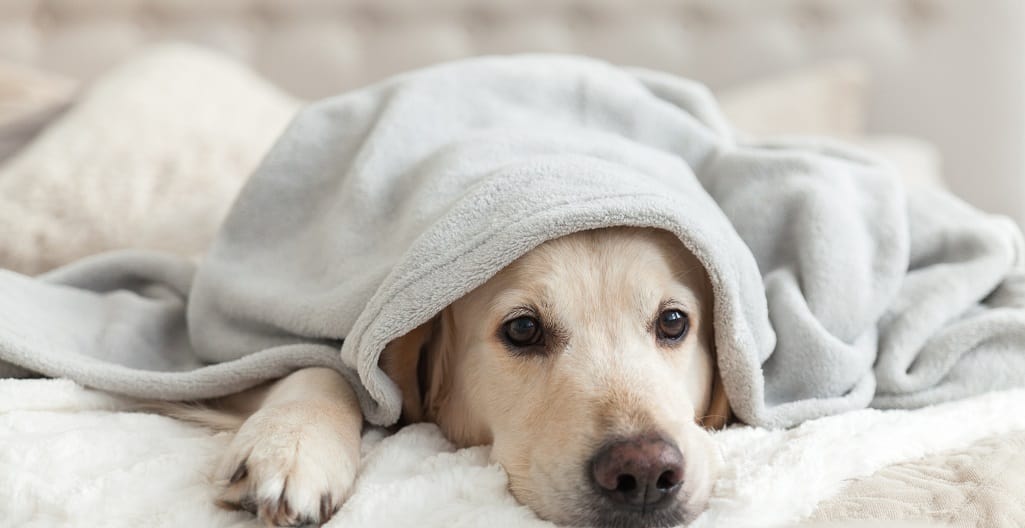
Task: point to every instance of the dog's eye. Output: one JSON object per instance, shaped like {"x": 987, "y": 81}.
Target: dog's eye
{"x": 523, "y": 331}
{"x": 672, "y": 325}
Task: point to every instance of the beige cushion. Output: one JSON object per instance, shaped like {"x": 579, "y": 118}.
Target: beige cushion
{"x": 149, "y": 156}
{"x": 829, "y": 100}
{"x": 917, "y": 161}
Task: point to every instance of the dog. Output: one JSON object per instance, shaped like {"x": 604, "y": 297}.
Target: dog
{"x": 588, "y": 364}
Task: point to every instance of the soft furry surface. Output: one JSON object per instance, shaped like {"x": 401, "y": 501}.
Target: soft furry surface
{"x": 70, "y": 457}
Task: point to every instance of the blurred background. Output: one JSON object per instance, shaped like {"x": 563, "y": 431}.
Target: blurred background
{"x": 936, "y": 86}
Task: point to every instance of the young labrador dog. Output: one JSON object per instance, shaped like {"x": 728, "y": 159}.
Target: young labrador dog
{"x": 588, "y": 363}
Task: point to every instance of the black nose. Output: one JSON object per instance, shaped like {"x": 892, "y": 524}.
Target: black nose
{"x": 638, "y": 472}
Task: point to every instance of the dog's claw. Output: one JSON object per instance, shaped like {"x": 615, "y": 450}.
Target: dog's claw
{"x": 326, "y": 508}
{"x": 276, "y": 512}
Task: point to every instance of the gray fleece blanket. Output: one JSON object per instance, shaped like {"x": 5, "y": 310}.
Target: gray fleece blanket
{"x": 834, "y": 288}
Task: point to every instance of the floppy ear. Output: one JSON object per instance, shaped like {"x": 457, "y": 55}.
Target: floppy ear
{"x": 718, "y": 414}
{"x": 417, "y": 363}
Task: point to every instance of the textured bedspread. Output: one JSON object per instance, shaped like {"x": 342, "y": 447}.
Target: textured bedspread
{"x": 982, "y": 485}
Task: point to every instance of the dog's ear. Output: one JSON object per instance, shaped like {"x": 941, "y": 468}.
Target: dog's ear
{"x": 417, "y": 363}
{"x": 718, "y": 414}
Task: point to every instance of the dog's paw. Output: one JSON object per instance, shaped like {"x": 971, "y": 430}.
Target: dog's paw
{"x": 291, "y": 464}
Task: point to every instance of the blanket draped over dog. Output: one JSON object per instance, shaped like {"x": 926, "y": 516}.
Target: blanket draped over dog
{"x": 834, "y": 289}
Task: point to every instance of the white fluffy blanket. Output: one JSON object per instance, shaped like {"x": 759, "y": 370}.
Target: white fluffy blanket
{"x": 69, "y": 457}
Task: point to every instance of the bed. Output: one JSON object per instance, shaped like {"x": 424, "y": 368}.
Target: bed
{"x": 77, "y": 105}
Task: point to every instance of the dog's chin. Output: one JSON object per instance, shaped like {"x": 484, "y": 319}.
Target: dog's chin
{"x": 590, "y": 509}
{"x": 599, "y": 514}
{"x": 580, "y": 504}
{"x": 593, "y": 510}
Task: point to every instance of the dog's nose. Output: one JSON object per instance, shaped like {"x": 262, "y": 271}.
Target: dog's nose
{"x": 639, "y": 471}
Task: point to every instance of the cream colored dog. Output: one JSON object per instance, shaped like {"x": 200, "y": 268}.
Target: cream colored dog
{"x": 588, "y": 363}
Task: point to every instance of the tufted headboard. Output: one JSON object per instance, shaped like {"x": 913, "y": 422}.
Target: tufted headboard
{"x": 950, "y": 71}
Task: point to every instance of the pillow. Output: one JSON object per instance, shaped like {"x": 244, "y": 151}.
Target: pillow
{"x": 149, "y": 156}
{"x": 824, "y": 100}
{"x": 917, "y": 161}
{"x": 827, "y": 100}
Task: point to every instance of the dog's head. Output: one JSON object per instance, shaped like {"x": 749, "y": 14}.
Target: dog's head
{"x": 589, "y": 364}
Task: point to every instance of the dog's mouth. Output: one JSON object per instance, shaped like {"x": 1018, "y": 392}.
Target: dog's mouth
{"x": 664, "y": 513}
{"x": 637, "y": 482}
{"x": 586, "y": 504}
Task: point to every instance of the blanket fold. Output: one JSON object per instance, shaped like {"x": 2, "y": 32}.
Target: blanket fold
{"x": 835, "y": 288}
